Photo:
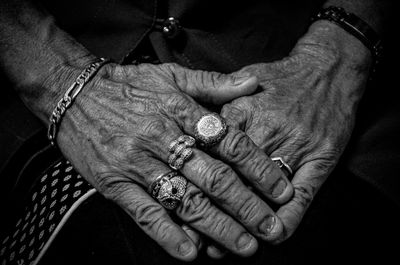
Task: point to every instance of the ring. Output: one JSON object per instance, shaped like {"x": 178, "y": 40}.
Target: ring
{"x": 210, "y": 129}
{"x": 181, "y": 151}
{"x": 168, "y": 189}
{"x": 283, "y": 165}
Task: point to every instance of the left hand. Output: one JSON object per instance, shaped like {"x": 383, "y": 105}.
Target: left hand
{"x": 305, "y": 110}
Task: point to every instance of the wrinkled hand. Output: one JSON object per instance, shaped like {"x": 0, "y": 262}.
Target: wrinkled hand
{"x": 305, "y": 110}
{"x": 117, "y": 134}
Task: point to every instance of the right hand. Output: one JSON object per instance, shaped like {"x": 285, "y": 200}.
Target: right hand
{"x": 117, "y": 133}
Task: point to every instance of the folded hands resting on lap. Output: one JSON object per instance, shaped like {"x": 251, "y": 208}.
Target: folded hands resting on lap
{"x": 117, "y": 134}
{"x": 118, "y": 131}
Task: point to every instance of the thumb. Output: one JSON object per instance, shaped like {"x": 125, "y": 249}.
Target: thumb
{"x": 213, "y": 87}
{"x": 306, "y": 183}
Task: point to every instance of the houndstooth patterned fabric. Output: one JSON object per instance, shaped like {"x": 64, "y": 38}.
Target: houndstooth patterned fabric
{"x": 54, "y": 193}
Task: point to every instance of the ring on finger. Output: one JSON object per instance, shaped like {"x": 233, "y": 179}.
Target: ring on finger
{"x": 180, "y": 151}
{"x": 283, "y": 165}
{"x": 210, "y": 129}
{"x": 168, "y": 189}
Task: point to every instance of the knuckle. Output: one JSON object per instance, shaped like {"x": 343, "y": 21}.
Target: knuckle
{"x": 239, "y": 113}
{"x": 262, "y": 171}
{"x": 248, "y": 211}
{"x": 194, "y": 205}
{"x": 111, "y": 186}
{"x": 236, "y": 147}
{"x": 171, "y": 66}
{"x": 148, "y": 214}
{"x": 179, "y": 105}
{"x": 232, "y": 114}
{"x": 303, "y": 195}
{"x": 196, "y": 209}
{"x": 219, "y": 180}
{"x": 232, "y": 111}
{"x": 164, "y": 230}
{"x": 327, "y": 163}
{"x": 154, "y": 129}
{"x": 221, "y": 226}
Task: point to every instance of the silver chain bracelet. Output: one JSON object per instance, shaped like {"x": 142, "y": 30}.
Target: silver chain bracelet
{"x": 65, "y": 102}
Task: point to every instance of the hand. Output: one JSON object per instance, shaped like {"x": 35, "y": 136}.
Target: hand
{"x": 117, "y": 134}
{"x": 305, "y": 110}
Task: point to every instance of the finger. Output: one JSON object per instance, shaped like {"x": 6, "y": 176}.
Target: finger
{"x": 220, "y": 183}
{"x": 206, "y": 87}
{"x": 215, "y": 252}
{"x": 194, "y": 236}
{"x": 213, "y": 87}
{"x": 198, "y": 211}
{"x": 274, "y": 70}
{"x": 151, "y": 217}
{"x": 236, "y": 115}
{"x": 237, "y": 149}
{"x": 214, "y": 178}
{"x": 306, "y": 182}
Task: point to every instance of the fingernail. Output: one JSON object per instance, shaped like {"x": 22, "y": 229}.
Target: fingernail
{"x": 185, "y": 248}
{"x": 244, "y": 241}
{"x": 193, "y": 236}
{"x": 241, "y": 79}
{"x": 278, "y": 188}
{"x": 216, "y": 253}
{"x": 267, "y": 225}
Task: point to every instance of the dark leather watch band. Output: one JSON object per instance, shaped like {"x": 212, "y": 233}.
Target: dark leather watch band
{"x": 355, "y": 26}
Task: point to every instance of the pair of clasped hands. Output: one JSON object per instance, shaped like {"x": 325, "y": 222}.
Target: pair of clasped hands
{"x": 300, "y": 108}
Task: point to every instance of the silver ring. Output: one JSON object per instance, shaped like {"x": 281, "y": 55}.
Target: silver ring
{"x": 181, "y": 151}
{"x": 168, "y": 189}
{"x": 187, "y": 140}
{"x": 210, "y": 129}
{"x": 283, "y": 165}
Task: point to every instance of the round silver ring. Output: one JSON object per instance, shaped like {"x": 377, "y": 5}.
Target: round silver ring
{"x": 210, "y": 129}
{"x": 168, "y": 189}
{"x": 180, "y": 151}
{"x": 283, "y": 165}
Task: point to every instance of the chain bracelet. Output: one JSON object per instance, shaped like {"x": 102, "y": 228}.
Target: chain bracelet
{"x": 65, "y": 102}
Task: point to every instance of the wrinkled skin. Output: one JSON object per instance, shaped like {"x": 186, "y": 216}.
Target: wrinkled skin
{"x": 117, "y": 133}
{"x": 305, "y": 112}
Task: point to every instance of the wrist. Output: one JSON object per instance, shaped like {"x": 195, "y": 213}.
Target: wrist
{"x": 70, "y": 95}
{"x": 337, "y": 47}
{"x": 50, "y": 87}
